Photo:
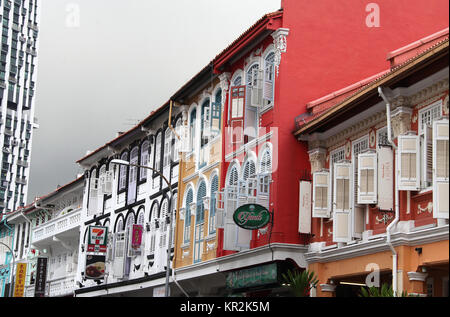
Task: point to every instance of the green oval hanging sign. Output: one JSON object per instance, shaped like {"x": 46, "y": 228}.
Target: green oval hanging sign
{"x": 251, "y": 216}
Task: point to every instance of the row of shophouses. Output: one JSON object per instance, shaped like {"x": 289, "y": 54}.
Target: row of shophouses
{"x": 347, "y": 149}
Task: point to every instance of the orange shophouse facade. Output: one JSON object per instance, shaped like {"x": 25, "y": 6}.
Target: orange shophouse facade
{"x": 363, "y": 228}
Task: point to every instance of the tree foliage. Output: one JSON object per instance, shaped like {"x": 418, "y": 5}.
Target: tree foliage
{"x": 300, "y": 283}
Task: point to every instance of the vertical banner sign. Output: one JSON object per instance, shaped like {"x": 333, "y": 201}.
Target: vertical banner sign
{"x": 304, "y": 219}
{"x": 95, "y": 266}
{"x": 19, "y": 285}
{"x": 97, "y": 240}
{"x": 41, "y": 277}
{"x": 136, "y": 236}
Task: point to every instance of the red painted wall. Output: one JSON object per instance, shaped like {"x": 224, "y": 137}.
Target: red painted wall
{"x": 330, "y": 47}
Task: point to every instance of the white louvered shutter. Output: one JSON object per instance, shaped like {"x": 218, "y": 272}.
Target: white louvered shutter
{"x": 367, "y": 178}
{"x": 230, "y": 228}
{"x": 93, "y": 196}
{"x": 257, "y": 88}
{"x": 408, "y": 162}
{"x": 107, "y": 183}
{"x": 441, "y": 169}
{"x": 342, "y": 202}
{"x": 321, "y": 198}
{"x": 119, "y": 255}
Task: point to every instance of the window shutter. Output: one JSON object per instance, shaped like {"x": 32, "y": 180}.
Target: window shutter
{"x": 184, "y": 141}
{"x": 216, "y": 116}
{"x": 385, "y": 178}
{"x": 441, "y": 169}
{"x": 207, "y": 122}
{"x": 409, "y": 162}
{"x": 230, "y": 228}
{"x": 304, "y": 218}
{"x": 257, "y": 88}
{"x": 106, "y": 182}
{"x": 367, "y": 178}
{"x": 237, "y": 113}
{"x": 342, "y": 202}
{"x": 220, "y": 205}
{"x": 93, "y": 196}
{"x": 427, "y": 156}
{"x": 119, "y": 255}
{"x": 321, "y": 197}
{"x": 269, "y": 79}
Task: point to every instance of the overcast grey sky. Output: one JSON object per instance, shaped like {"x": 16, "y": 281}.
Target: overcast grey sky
{"x": 106, "y": 64}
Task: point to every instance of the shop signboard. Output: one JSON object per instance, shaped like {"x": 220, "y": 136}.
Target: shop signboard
{"x": 19, "y": 286}
{"x": 97, "y": 239}
{"x": 256, "y": 276}
{"x": 251, "y": 216}
{"x": 41, "y": 277}
{"x": 95, "y": 267}
{"x": 136, "y": 237}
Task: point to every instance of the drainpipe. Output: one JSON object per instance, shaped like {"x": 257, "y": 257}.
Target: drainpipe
{"x": 397, "y": 212}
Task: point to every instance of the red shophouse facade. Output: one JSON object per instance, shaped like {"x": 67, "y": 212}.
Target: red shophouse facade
{"x": 322, "y": 47}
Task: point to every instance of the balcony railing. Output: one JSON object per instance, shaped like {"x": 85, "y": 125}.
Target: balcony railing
{"x": 56, "y": 288}
{"x": 57, "y": 226}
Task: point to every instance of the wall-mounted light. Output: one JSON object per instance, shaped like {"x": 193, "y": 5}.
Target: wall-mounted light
{"x": 156, "y": 224}
{"x": 418, "y": 250}
{"x": 147, "y": 226}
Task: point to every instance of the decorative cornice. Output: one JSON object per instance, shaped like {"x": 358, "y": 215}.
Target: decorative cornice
{"x": 280, "y": 43}
{"x": 429, "y": 92}
{"x": 360, "y": 128}
{"x": 379, "y": 244}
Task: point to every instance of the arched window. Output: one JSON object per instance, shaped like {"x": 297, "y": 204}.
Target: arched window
{"x": 233, "y": 176}
{"x": 174, "y": 216}
{"x": 265, "y": 165}
{"x": 192, "y": 126}
{"x": 216, "y": 114}
{"x": 153, "y": 227}
{"x": 237, "y": 81}
{"x": 119, "y": 225}
{"x": 134, "y": 160}
{"x": 199, "y": 223}
{"x": 141, "y": 217}
{"x": 123, "y": 172}
{"x": 128, "y": 230}
{"x": 205, "y": 123}
{"x": 212, "y": 205}
{"x": 249, "y": 170}
{"x": 163, "y": 223}
{"x": 157, "y": 162}
{"x": 187, "y": 216}
{"x": 265, "y": 171}
{"x": 252, "y": 75}
{"x": 167, "y": 147}
{"x": 269, "y": 78}
{"x": 144, "y": 160}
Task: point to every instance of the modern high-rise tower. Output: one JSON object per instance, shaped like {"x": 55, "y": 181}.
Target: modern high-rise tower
{"x": 18, "y": 62}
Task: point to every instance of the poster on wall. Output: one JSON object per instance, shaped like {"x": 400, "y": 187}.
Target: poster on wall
{"x": 95, "y": 267}
{"x": 19, "y": 286}
{"x": 41, "y": 277}
{"x": 97, "y": 239}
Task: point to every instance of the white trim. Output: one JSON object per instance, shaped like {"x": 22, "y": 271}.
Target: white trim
{"x": 249, "y": 145}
